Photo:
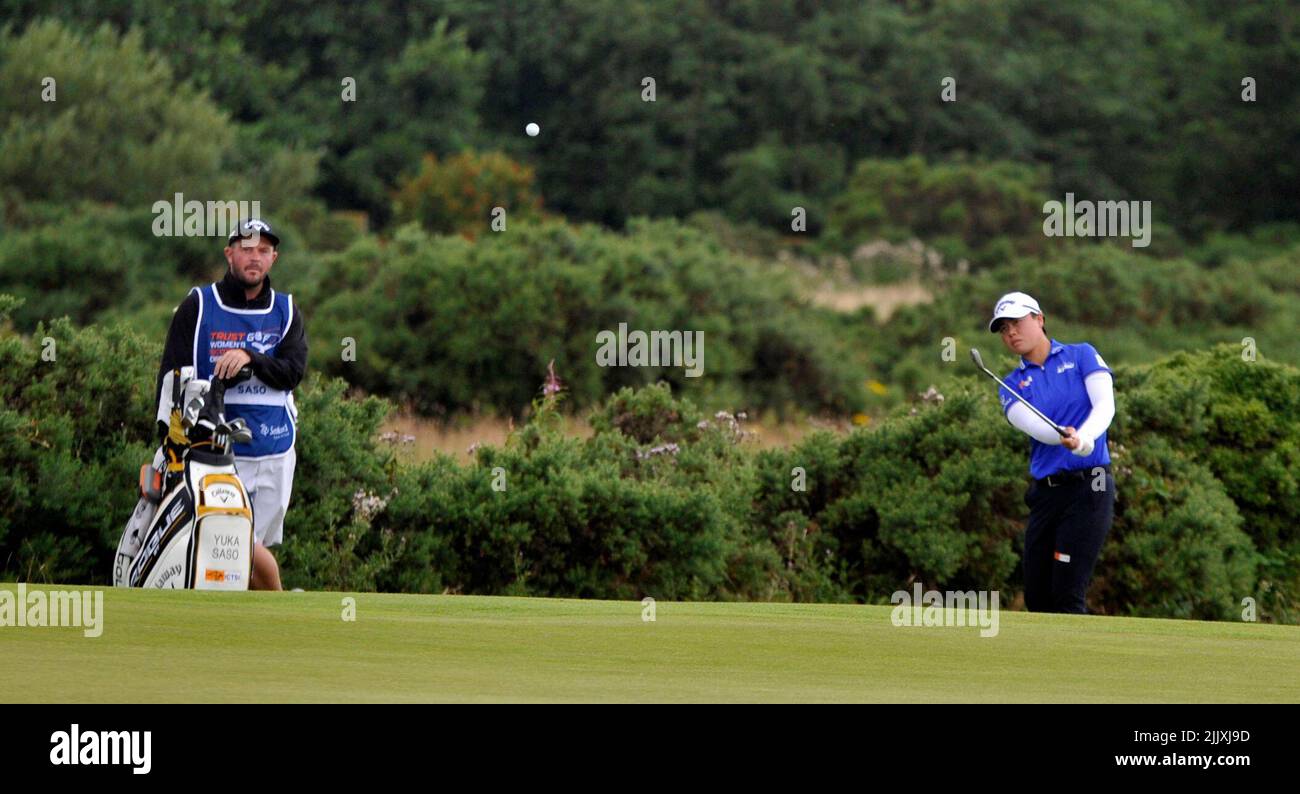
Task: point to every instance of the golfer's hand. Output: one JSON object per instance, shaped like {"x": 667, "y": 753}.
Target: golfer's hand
{"x": 230, "y": 363}
{"x": 1078, "y": 445}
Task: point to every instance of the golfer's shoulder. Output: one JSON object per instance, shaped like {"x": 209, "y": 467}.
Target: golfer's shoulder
{"x": 1085, "y": 354}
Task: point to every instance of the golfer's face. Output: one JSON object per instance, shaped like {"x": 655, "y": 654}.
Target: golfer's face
{"x": 1022, "y": 335}
{"x": 251, "y": 259}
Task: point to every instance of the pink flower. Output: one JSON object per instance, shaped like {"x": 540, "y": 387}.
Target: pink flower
{"x": 553, "y": 383}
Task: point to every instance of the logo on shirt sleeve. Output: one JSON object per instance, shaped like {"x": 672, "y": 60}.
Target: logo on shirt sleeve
{"x": 1100, "y": 362}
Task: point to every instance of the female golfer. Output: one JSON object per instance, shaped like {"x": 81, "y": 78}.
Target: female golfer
{"x": 1072, "y": 499}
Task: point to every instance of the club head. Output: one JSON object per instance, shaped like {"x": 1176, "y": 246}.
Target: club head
{"x": 240, "y": 432}
{"x": 975, "y": 356}
{"x": 191, "y": 414}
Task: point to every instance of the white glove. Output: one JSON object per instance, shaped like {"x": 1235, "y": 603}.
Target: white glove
{"x": 1085, "y": 447}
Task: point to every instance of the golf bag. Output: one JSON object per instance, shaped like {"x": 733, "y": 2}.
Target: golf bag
{"x": 193, "y": 525}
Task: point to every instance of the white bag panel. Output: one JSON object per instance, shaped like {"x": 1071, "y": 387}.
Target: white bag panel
{"x": 132, "y": 536}
{"x": 225, "y": 553}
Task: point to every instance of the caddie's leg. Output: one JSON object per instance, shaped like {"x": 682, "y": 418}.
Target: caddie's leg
{"x": 266, "y": 571}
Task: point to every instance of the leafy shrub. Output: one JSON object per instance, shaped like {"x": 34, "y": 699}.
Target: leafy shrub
{"x": 76, "y": 418}
{"x": 982, "y": 212}
{"x": 343, "y": 475}
{"x": 615, "y": 516}
{"x": 123, "y": 127}
{"x": 457, "y": 195}
{"x": 665, "y": 500}
{"x": 445, "y": 325}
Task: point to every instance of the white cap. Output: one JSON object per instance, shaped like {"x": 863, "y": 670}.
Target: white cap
{"x": 1013, "y": 305}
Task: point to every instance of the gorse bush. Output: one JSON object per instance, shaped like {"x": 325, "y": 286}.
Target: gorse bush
{"x": 76, "y": 421}
{"x": 341, "y": 476}
{"x": 667, "y": 500}
{"x": 444, "y": 324}
{"x": 1132, "y": 308}
{"x": 1237, "y": 424}
{"x": 981, "y": 212}
{"x": 615, "y": 516}
{"x": 664, "y": 500}
{"x": 459, "y": 195}
{"x": 152, "y": 134}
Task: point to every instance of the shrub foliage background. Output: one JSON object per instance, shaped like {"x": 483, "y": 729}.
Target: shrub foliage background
{"x": 665, "y": 500}
{"x": 758, "y": 111}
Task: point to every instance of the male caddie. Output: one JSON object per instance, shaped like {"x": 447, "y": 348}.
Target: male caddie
{"x": 238, "y": 321}
{"x": 1072, "y": 499}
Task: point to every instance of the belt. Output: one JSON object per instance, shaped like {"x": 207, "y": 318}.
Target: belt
{"x": 1073, "y": 475}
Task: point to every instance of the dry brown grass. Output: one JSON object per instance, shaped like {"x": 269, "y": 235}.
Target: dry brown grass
{"x": 430, "y": 436}
{"x": 884, "y": 298}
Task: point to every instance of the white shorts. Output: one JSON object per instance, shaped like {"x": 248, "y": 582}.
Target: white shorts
{"x": 269, "y": 481}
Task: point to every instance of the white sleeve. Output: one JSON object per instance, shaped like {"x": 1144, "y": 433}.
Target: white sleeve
{"x": 1102, "y": 394}
{"x": 1029, "y": 422}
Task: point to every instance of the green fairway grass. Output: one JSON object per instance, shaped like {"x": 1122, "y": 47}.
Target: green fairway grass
{"x": 239, "y": 647}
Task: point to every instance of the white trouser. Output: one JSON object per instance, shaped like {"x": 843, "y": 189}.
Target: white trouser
{"x": 269, "y": 482}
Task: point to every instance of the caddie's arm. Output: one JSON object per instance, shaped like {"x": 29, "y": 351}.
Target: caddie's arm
{"x": 285, "y": 369}
{"x": 178, "y": 351}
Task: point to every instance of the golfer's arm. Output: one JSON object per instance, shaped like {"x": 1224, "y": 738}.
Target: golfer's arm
{"x": 1031, "y": 424}
{"x": 285, "y": 369}
{"x": 1101, "y": 392}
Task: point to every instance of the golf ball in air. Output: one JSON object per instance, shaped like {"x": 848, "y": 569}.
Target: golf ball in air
{"x": 532, "y": 129}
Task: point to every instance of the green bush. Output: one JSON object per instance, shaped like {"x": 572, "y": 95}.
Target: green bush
{"x": 458, "y": 195}
{"x": 1176, "y": 548}
{"x": 96, "y": 263}
{"x": 76, "y": 419}
{"x": 90, "y": 262}
{"x": 616, "y": 516}
{"x": 1132, "y": 308}
{"x": 328, "y": 538}
{"x": 665, "y": 500}
{"x": 981, "y": 212}
{"x": 933, "y": 496}
{"x": 121, "y": 129}
{"x": 447, "y": 325}
{"x": 1239, "y": 420}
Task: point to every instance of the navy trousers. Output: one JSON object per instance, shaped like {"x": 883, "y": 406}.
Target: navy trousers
{"x": 1067, "y": 525}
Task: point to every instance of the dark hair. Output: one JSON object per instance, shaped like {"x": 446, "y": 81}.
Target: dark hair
{"x": 998, "y": 328}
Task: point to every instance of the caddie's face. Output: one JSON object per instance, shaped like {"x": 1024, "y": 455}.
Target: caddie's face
{"x": 250, "y": 259}
{"x": 1022, "y": 335}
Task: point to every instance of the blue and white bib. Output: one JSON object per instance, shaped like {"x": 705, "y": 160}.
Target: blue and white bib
{"x": 270, "y": 413}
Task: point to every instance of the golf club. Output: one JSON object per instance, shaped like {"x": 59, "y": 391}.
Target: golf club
{"x": 979, "y": 362}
